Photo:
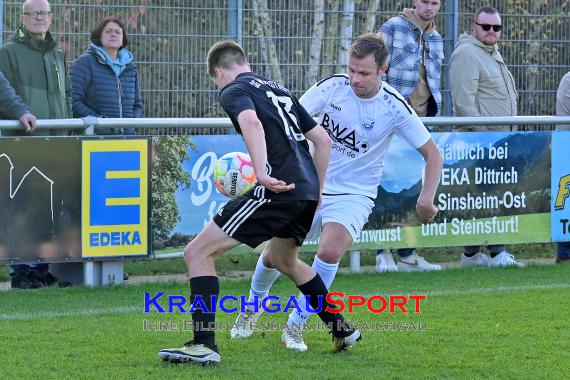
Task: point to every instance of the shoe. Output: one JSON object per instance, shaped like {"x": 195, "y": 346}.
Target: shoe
{"x": 242, "y": 327}
{"x": 477, "y": 260}
{"x": 25, "y": 280}
{"x": 292, "y": 339}
{"x": 385, "y": 262}
{"x": 504, "y": 259}
{"x": 416, "y": 263}
{"x": 191, "y": 352}
{"x": 562, "y": 260}
{"x": 344, "y": 343}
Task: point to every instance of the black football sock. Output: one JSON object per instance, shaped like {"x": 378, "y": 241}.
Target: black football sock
{"x": 205, "y": 287}
{"x": 316, "y": 289}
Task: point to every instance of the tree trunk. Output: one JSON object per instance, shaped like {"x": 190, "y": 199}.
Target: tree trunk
{"x": 316, "y": 43}
{"x": 262, "y": 13}
{"x": 370, "y": 20}
{"x": 346, "y": 22}
{"x": 262, "y": 44}
{"x": 330, "y": 44}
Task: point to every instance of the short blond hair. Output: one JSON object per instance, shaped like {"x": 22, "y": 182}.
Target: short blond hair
{"x": 225, "y": 54}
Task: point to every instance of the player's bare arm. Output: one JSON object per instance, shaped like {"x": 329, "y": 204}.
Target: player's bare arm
{"x": 254, "y": 138}
{"x": 321, "y": 151}
{"x": 434, "y": 163}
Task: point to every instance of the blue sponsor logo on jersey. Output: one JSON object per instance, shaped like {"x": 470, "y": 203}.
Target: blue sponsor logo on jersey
{"x": 368, "y": 123}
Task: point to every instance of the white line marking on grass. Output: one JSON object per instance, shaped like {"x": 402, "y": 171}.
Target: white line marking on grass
{"x": 460, "y": 292}
{"x": 88, "y": 312}
{"x": 92, "y": 312}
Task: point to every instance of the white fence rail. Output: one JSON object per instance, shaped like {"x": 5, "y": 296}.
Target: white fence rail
{"x": 89, "y": 123}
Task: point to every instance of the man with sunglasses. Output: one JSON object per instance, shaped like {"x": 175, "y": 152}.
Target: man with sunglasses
{"x": 35, "y": 67}
{"x": 481, "y": 85}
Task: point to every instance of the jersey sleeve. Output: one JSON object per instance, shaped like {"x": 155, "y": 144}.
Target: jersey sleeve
{"x": 306, "y": 121}
{"x": 406, "y": 122}
{"x": 411, "y": 129}
{"x": 313, "y": 100}
{"x": 235, "y": 99}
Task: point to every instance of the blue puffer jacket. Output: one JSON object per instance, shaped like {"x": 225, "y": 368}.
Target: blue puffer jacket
{"x": 105, "y": 90}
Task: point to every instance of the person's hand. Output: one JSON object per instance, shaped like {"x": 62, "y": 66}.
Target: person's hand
{"x": 274, "y": 184}
{"x": 426, "y": 211}
{"x": 29, "y": 122}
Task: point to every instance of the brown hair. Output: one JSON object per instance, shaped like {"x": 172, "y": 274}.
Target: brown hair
{"x": 488, "y": 10}
{"x": 369, "y": 44}
{"x": 224, "y": 54}
{"x": 98, "y": 31}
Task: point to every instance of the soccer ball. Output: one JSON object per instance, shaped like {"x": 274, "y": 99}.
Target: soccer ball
{"x": 233, "y": 174}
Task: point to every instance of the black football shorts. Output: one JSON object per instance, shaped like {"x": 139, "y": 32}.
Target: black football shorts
{"x": 253, "y": 221}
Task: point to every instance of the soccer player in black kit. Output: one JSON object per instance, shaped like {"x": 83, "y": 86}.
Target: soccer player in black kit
{"x": 279, "y": 209}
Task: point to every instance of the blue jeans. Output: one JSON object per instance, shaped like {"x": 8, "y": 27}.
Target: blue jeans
{"x": 405, "y": 252}
{"x": 493, "y": 249}
{"x": 563, "y": 249}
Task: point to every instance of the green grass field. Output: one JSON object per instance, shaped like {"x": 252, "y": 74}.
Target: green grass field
{"x": 493, "y": 323}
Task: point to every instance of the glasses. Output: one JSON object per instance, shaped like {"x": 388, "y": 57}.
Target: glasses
{"x": 487, "y": 27}
{"x": 34, "y": 14}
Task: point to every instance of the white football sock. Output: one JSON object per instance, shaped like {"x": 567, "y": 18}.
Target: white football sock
{"x": 327, "y": 272}
{"x": 262, "y": 280}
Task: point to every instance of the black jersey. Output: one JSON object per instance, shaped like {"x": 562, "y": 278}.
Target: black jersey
{"x": 284, "y": 122}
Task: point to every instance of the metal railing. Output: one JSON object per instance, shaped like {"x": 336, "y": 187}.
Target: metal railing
{"x": 221, "y": 125}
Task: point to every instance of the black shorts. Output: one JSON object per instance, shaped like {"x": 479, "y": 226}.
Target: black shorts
{"x": 252, "y": 221}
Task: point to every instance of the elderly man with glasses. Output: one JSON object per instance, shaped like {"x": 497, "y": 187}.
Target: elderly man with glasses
{"x": 35, "y": 67}
{"x": 481, "y": 85}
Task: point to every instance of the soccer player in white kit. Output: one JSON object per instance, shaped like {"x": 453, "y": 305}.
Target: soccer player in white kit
{"x": 361, "y": 115}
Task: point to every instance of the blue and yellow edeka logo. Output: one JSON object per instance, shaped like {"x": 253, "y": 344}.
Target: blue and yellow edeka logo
{"x": 114, "y": 198}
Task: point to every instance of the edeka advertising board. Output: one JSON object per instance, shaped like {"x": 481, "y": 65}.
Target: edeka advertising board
{"x": 115, "y": 198}
{"x": 560, "y": 216}
{"x": 41, "y": 199}
{"x": 495, "y": 188}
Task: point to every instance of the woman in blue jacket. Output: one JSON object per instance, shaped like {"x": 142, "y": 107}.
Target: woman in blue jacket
{"x": 105, "y": 80}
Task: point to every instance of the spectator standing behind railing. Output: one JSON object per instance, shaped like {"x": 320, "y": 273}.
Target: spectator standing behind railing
{"x": 481, "y": 85}
{"x": 415, "y": 51}
{"x": 105, "y": 79}
{"x": 35, "y": 67}
{"x": 563, "y": 109}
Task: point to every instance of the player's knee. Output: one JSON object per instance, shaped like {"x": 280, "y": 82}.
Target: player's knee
{"x": 329, "y": 254}
{"x": 189, "y": 253}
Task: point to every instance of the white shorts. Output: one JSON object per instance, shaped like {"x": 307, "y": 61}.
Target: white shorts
{"x": 352, "y": 211}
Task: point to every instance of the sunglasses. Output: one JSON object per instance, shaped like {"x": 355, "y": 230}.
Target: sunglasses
{"x": 487, "y": 27}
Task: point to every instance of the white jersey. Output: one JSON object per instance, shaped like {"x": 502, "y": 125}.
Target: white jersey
{"x": 361, "y": 131}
